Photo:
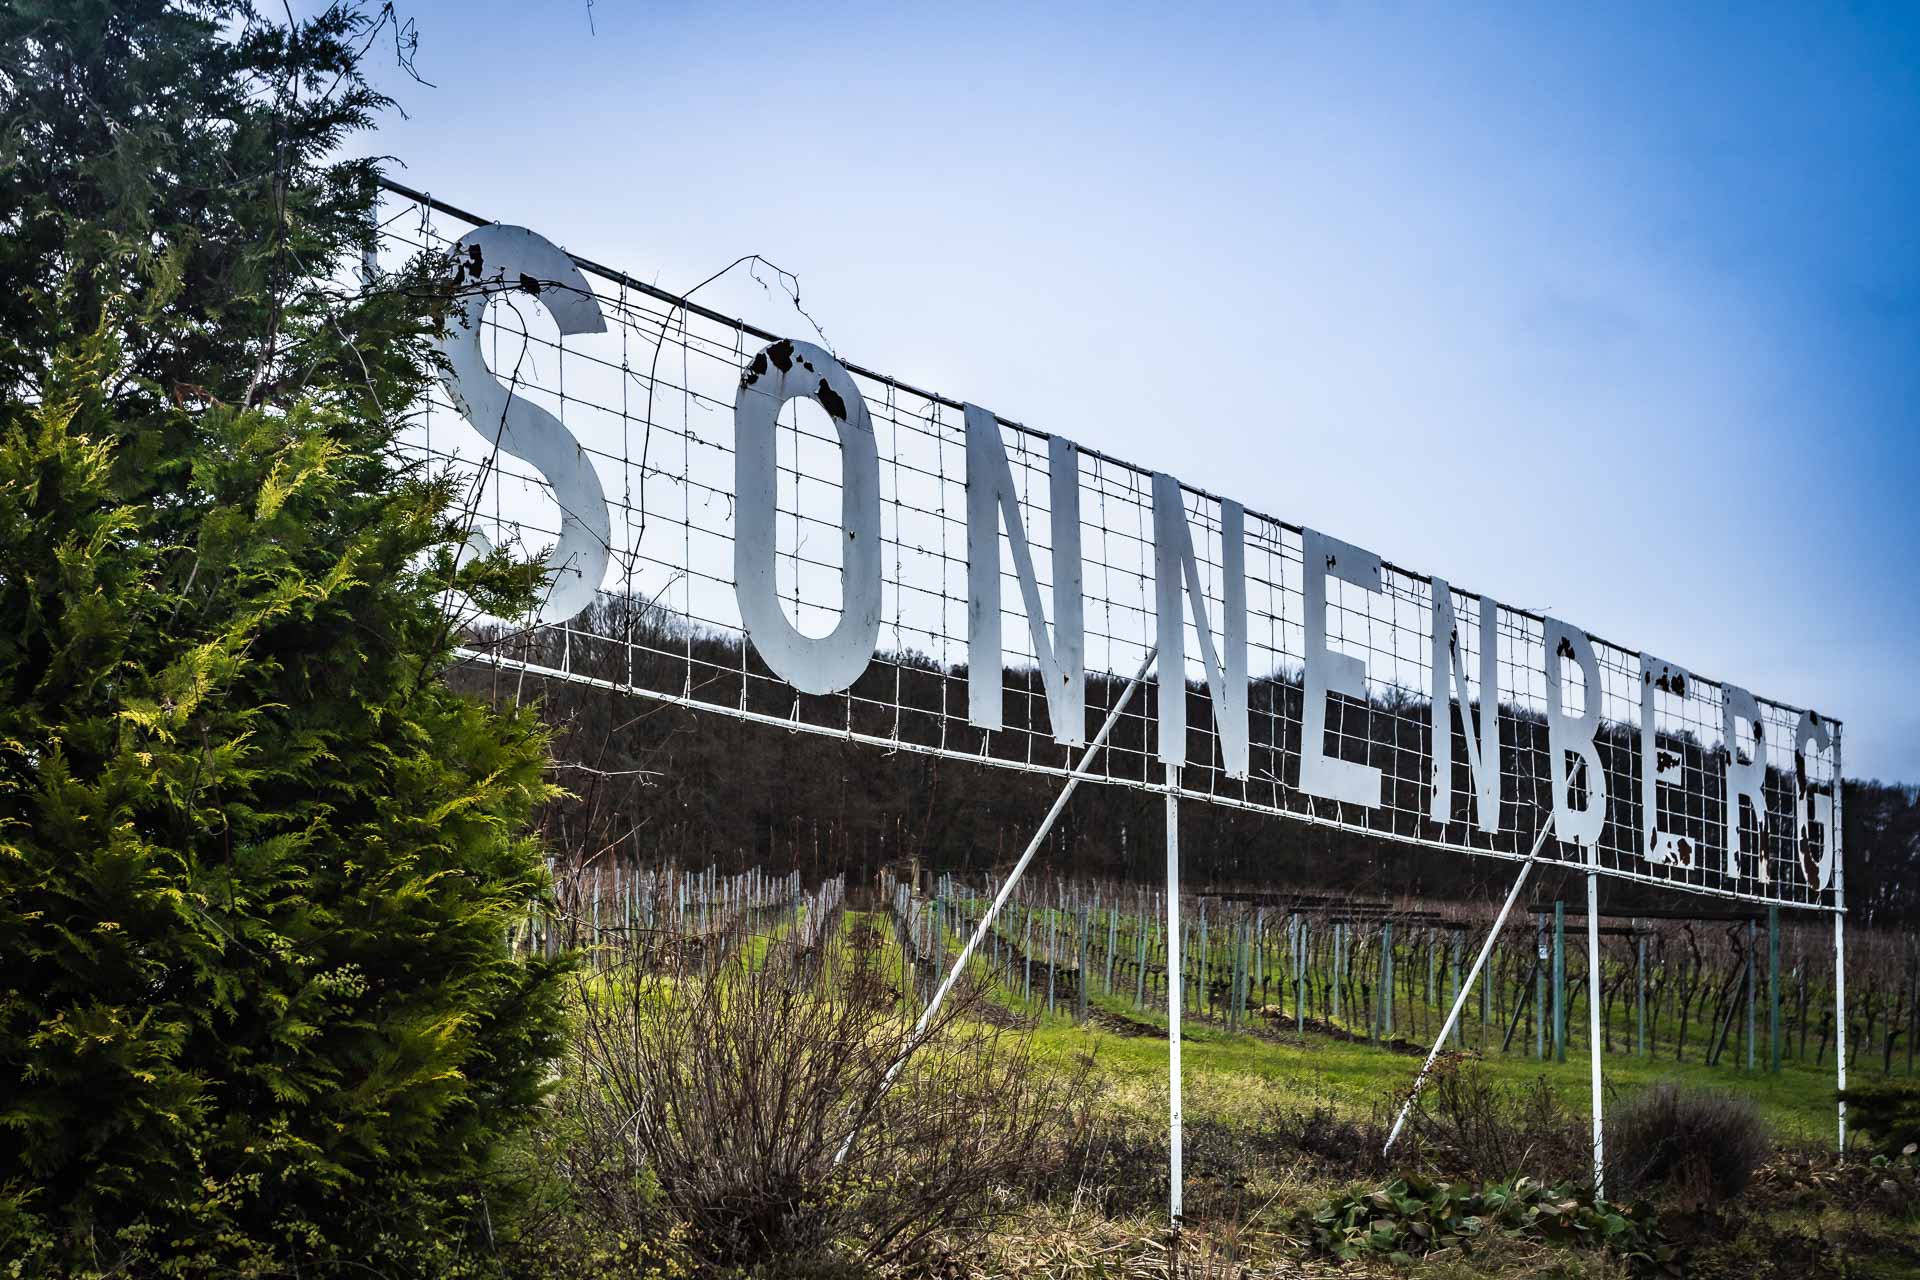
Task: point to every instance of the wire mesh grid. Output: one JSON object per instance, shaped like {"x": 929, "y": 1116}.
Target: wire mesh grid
{"x": 651, "y": 402}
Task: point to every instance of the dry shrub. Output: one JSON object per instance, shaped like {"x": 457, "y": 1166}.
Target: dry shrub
{"x": 720, "y": 1099}
{"x": 1700, "y": 1147}
{"x": 1470, "y": 1125}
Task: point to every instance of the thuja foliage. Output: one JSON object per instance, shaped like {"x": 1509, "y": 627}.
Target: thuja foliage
{"x": 257, "y": 862}
{"x": 1887, "y": 1111}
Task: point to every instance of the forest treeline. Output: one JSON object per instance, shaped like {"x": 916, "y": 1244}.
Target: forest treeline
{"x": 651, "y": 782}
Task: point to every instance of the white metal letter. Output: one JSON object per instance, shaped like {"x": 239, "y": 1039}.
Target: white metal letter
{"x": 1483, "y": 758}
{"x": 1745, "y": 777}
{"x": 1658, "y": 766}
{"x": 990, "y": 498}
{"x": 1327, "y": 673}
{"x": 1574, "y": 734}
{"x": 495, "y": 260}
{"x": 787, "y": 370}
{"x": 1173, "y": 566}
{"x": 1814, "y": 819}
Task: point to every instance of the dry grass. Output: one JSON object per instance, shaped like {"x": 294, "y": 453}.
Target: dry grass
{"x": 1073, "y": 1245}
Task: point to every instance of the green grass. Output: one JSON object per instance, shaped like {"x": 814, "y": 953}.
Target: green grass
{"x": 1228, "y": 1075}
{"x": 1219, "y": 1069}
{"x": 1240, "y": 1205}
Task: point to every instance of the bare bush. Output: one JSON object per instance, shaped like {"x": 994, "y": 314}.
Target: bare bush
{"x": 723, "y": 1097}
{"x": 1700, "y": 1147}
{"x": 1468, "y": 1124}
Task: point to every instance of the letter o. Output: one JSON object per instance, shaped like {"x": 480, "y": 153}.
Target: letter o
{"x": 784, "y": 371}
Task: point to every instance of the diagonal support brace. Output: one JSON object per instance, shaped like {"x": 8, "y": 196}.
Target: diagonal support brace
{"x": 1466, "y": 987}
{"x": 918, "y": 1036}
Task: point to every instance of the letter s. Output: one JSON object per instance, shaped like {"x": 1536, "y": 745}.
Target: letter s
{"x": 493, "y": 260}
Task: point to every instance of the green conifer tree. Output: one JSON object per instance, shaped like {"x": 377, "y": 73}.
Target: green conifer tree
{"x": 257, "y": 861}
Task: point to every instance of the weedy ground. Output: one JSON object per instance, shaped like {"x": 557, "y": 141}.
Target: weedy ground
{"x": 1277, "y": 1123}
{"x": 1280, "y": 1125}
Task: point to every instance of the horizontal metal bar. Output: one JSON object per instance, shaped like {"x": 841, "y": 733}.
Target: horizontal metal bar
{"x": 1669, "y": 913}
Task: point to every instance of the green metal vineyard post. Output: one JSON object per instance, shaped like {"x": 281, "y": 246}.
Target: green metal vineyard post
{"x": 1773, "y": 987}
{"x": 1559, "y": 982}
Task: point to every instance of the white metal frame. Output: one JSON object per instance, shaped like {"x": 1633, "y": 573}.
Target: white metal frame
{"x": 1210, "y": 538}
{"x": 1250, "y": 573}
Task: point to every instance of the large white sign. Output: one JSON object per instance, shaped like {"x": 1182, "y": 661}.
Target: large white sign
{"x": 760, "y": 526}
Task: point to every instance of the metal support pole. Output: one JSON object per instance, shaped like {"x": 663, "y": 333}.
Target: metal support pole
{"x": 1840, "y": 1010}
{"x": 1833, "y": 836}
{"x": 1173, "y": 992}
{"x": 1460, "y": 997}
{"x": 1000, "y": 899}
{"x": 1593, "y": 1017}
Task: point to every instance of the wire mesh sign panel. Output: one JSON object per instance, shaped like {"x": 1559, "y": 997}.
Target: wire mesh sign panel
{"x": 754, "y": 525}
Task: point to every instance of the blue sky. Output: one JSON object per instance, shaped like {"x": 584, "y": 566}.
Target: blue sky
{"x": 1614, "y": 315}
